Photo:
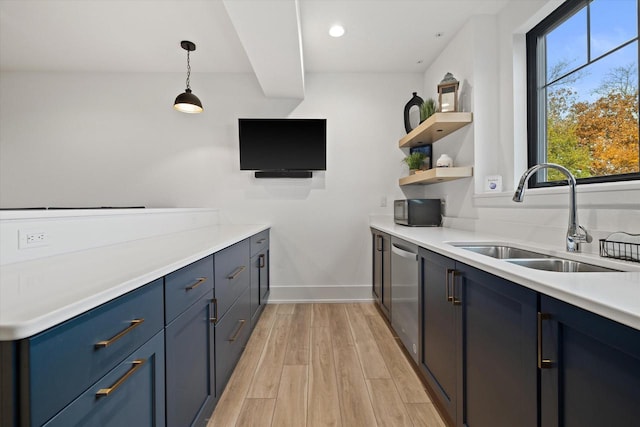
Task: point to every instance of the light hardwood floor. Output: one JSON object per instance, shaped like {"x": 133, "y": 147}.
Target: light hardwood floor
{"x": 323, "y": 365}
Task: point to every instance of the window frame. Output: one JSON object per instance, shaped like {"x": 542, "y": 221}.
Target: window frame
{"x": 536, "y": 65}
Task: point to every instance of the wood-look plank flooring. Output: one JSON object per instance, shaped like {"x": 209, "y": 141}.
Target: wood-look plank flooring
{"x": 323, "y": 365}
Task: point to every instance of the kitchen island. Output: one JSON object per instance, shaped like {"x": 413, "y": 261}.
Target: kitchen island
{"x": 146, "y": 330}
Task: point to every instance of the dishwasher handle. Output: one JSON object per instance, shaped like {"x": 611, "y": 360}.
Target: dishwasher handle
{"x": 403, "y": 252}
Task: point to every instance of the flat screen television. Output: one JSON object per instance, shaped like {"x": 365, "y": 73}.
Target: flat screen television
{"x": 281, "y": 145}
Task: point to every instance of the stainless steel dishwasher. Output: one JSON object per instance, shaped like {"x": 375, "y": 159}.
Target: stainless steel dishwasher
{"x": 404, "y": 293}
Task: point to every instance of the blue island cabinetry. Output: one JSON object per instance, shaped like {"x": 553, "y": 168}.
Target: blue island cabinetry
{"x": 260, "y": 285}
{"x": 160, "y": 355}
{"x": 190, "y": 344}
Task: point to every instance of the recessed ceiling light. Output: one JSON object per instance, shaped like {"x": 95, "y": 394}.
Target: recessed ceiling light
{"x": 336, "y": 31}
{"x": 439, "y": 34}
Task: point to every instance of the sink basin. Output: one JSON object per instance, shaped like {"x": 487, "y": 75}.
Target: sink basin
{"x": 533, "y": 260}
{"x": 561, "y": 265}
{"x": 502, "y": 252}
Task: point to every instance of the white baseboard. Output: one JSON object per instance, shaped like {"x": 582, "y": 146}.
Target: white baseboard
{"x": 292, "y": 294}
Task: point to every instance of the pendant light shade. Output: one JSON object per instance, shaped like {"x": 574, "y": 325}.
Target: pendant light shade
{"x": 187, "y": 102}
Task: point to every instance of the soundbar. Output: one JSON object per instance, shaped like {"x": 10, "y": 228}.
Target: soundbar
{"x": 283, "y": 174}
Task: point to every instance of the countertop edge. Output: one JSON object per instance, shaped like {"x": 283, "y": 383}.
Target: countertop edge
{"x": 10, "y": 331}
{"x": 536, "y": 280}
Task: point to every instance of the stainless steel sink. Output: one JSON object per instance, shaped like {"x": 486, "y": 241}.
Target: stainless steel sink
{"x": 561, "y": 265}
{"x": 502, "y": 252}
{"x": 533, "y": 260}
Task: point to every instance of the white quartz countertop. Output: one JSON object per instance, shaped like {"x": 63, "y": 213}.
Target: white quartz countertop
{"x": 614, "y": 295}
{"x": 36, "y": 295}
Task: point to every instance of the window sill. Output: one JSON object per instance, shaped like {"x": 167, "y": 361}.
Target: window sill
{"x": 610, "y": 195}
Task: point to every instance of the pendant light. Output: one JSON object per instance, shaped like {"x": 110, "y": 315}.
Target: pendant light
{"x": 187, "y": 102}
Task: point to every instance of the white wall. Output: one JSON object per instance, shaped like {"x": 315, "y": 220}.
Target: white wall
{"x": 114, "y": 139}
{"x": 488, "y": 56}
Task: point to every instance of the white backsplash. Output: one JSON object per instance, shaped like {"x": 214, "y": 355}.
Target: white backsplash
{"x": 75, "y": 230}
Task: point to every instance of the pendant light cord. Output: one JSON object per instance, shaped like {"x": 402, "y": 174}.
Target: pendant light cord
{"x": 188, "y": 70}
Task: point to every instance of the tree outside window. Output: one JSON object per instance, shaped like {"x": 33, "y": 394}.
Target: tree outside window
{"x": 583, "y": 91}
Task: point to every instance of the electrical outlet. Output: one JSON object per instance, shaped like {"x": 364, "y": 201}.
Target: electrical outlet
{"x": 32, "y": 239}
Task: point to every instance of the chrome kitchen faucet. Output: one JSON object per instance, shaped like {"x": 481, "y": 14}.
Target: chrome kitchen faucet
{"x": 575, "y": 233}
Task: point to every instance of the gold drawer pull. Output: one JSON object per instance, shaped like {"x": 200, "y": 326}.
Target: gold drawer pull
{"x": 235, "y": 336}
{"x": 199, "y": 281}
{"x": 134, "y": 324}
{"x": 214, "y": 319}
{"x": 448, "y": 293}
{"x": 137, "y": 364}
{"x": 261, "y": 241}
{"x": 455, "y": 275}
{"x": 236, "y": 272}
{"x": 261, "y": 261}
{"x": 542, "y": 362}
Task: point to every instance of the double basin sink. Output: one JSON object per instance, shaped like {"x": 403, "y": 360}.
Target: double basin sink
{"x": 534, "y": 260}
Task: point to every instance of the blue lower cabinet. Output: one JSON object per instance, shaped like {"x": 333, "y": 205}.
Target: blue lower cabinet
{"x": 590, "y": 368}
{"x": 264, "y": 275}
{"x": 190, "y": 367}
{"x": 498, "y": 359}
{"x": 132, "y": 394}
{"x": 439, "y": 330}
{"x": 66, "y": 359}
{"x": 478, "y": 344}
{"x": 232, "y": 333}
{"x": 9, "y": 378}
{"x": 259, "y": 284}
{"x": 186, "y": 286}
{"x": 232, "y": 275}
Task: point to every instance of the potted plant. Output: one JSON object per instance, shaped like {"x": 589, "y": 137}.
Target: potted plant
{"x": 414, "y": 161}
{"x": 427, "y": 109}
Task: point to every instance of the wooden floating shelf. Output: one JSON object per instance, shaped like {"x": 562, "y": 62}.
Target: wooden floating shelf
{"x": 435, "y": 175}
{"x": 435, "y": 127}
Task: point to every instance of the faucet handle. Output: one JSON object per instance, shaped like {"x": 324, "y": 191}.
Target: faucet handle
{"x": 586, "y": 237}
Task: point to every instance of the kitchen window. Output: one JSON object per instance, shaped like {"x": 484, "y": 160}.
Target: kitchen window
{"x": 582, "y": 83}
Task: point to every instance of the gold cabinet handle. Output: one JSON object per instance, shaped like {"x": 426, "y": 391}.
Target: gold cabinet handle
{"x": 542, "y": 363}
{"x": 235, "y": 336}
{"x": 261, "y": 261}
{"x": 379, "y": 241}
{"x": 137, "y": 364}
{"x": 448, "y": 285}
{"x": 214, "y": 319}
{"x": 455, "y": 301}
{"x": 261, "y": 241}
{"x": 236, "y": 272}
{"x": 134, "y": 324}
{"x": 199, "y": 281}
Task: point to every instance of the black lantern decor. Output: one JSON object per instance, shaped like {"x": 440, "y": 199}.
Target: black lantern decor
{"x": 187, "y": 102}
{"x": 448, "y": 93}
{"x": 416, "y": 101}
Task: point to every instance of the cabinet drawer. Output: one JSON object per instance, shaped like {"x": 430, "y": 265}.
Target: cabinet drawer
{"x": 259, "y": 242}
{"x": 132, "y": 394}
{"x": 232, "y": 333}
{"x": 232, "y": 274}
{"x": 68, "y": 358}
{"x": 186, "y": 286}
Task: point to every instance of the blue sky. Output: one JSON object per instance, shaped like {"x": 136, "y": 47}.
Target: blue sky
{"x": 613, "y": 22}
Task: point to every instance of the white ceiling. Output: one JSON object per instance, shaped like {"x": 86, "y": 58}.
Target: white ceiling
{"x": 144, "y": 35}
